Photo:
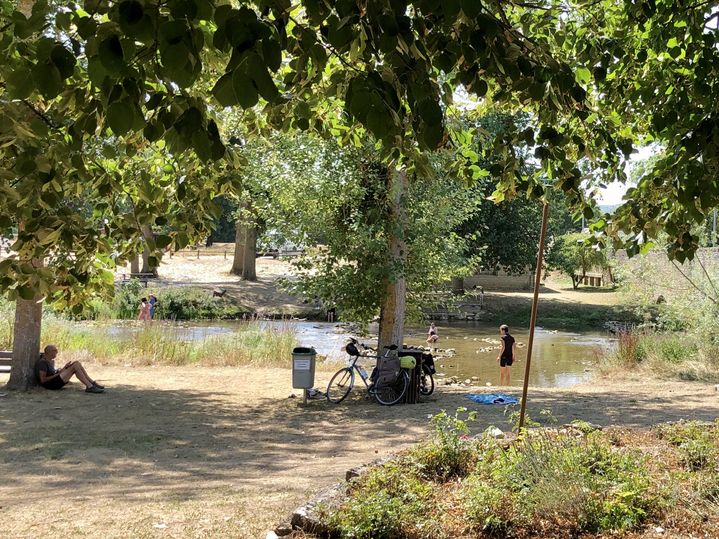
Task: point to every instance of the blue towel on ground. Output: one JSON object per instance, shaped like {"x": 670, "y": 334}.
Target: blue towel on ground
{"x": 492, "y": 398}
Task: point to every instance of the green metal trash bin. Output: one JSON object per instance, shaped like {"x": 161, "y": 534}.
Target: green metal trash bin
{"x": 303, "y": 367}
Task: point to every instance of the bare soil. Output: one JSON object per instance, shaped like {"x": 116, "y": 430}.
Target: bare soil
{"x": 223, "y": 452}
{"x": 211, "y": 270}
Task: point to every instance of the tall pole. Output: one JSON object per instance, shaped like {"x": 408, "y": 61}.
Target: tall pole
{"x": 533, "y": 319}
{"x": 714, "y": 230}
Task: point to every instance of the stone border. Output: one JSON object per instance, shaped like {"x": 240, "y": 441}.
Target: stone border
{"x": 308, "y": 517}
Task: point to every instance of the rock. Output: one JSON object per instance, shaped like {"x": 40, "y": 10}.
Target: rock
{"x": 282, "y": 530}
{"x": 475, "y": 378}
{"x": 273, "y": 535}
{"x": 659, "y": 529}
{"x": 488, "y": 384}
{"x": 308, "y": 519}
{"x": 716, "y": 387}
{"x": 468, "y": 382}
{"x": 494, "y": 432}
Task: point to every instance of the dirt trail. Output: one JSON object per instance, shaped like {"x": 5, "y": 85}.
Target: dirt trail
{"x": 197, "y": 452}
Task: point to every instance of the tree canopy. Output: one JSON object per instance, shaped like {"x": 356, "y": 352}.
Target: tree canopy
{"x": 80, "y": 84}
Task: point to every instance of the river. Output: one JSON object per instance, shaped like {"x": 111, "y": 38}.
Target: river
{"x": 560, "y": 359}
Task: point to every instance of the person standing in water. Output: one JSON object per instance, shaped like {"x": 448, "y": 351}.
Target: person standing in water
{"x": 506, "y": 355}
{"x": 432, "y": 335}
{"x": 145, "y": 307}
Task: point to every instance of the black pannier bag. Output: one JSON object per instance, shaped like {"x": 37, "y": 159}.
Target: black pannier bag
{"x": 428, "y": 361}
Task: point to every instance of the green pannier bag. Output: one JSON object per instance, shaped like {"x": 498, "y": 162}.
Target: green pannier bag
{"x": 407, "y": 362}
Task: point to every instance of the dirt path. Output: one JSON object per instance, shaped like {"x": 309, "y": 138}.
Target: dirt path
{"x": 197, "y": 452}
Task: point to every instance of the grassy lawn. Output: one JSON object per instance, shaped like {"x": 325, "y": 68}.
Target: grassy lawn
{"x": 223, "y": 452}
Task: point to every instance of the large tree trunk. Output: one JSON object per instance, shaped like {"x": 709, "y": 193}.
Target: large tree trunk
{"x": 135, "y": 264}
{"x": 28, "y": 313}
{"x": 392, "y": 310}
{"x": 238, "y": 262}
{"x": 25, "y": 343}
{"x": 146, "y": 267}
{"x": 243, "y": 263}
{"x": 249, "y": 268}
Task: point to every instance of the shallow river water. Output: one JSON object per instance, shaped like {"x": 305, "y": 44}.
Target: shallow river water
{"x": 560, "y": 359}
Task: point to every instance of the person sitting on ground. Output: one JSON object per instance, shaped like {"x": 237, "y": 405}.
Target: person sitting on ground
{"x": 51, "y": 378}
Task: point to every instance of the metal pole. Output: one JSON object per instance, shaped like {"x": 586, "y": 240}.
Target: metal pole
{"x": 533, "y": 320}
{"x": 714, "y": 230}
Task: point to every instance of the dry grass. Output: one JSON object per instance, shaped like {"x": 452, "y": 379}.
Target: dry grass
{"x": 191, "y": 452}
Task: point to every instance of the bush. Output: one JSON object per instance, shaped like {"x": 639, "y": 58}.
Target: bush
{"x": 387, "y": 503}
{"x": 553, "y": 480}
{"x": 698, "y": 443}
{"x": 450, "y": 452}
{"x": 191, "y": 304}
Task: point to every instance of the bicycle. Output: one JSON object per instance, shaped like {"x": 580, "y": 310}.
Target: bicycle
{"x": 343, "y": 380}
{"x": 426, "y": 380}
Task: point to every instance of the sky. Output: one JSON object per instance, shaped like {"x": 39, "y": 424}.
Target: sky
{"x": 613, "y": 193}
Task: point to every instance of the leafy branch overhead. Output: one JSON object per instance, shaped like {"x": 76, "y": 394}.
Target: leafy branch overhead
{"x": 79, "y": 83}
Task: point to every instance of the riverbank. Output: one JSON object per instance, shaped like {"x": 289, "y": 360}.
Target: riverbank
{"x": 561, "y": 307}
{"x": 223, "y": 452}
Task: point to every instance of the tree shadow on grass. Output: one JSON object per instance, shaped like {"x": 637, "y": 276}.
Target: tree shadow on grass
{"x": 134, "y": 440}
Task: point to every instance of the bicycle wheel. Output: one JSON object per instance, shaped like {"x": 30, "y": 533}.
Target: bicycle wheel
{"x": 426, "y": 383}
{"x": 340, "y": 385}
{"x": 393, "y": 393}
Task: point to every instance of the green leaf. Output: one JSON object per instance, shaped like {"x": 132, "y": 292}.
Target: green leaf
{"x": 244, "y": 89}
{"x": 263, "y": 81}
{"x": 162, "y": 241}
{"x": 20, "y": 83}
{"x": 130, "y": 13}
{"x": 202, "y": 146}
{"x": 583, "y": 75}
{"x": 536, "y": 90}
{"x": 111, "y": 54}
{"x": 48, "y": 79}
{"x": 376, "y": 122}
{"x": 26, "y": 292}
{"x": 272, "y": 53}
{"x": 120, "y": 117}
{"x": 64, "y": 60}
{"x": 224, "y": 91}
{"x": 430, "y": 112}
{"x": 471, "y": 8}
{"x": 153, "y": 131}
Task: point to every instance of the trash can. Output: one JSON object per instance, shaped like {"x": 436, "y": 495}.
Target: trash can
{"x": 303, "y": 367}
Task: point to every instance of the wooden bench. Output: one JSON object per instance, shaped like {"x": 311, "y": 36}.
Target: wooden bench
{"x": 590, "y": 279}
{"x": 142, "y": 277}
{"x": 5, "y": 361}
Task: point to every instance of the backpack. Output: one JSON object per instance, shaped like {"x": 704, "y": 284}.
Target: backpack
{"x": 387, "y": 371}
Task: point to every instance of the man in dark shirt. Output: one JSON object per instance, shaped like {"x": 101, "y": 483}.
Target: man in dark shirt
{"x": 51, "y": 378}
{"x": 506, "y": 354}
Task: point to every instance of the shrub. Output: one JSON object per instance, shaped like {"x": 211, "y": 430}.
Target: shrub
{"x": 698, "y": 443}
{"x": 554, "y": 480}
{"x": 450, "y": 452}
{"x": 388, "y": 502}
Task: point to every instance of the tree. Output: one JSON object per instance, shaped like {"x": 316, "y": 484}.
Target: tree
{"x": 337, "y": 203}
{"x": 651, "y": 69}
{"x": 574, "y": 256}
{"x": 505, "y": 235}
{"x": 141, "y": 70}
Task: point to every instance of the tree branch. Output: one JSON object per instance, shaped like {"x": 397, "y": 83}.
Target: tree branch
{"x": 40, "y": 114}
{"x": 714, "y": 301}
